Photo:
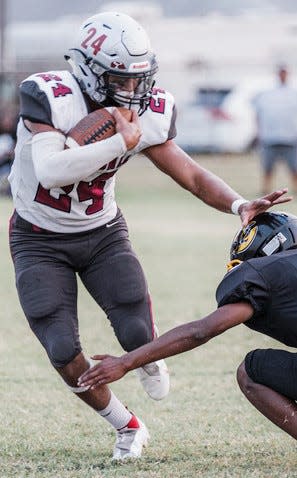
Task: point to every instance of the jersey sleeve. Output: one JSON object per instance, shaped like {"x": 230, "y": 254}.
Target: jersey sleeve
{"x": 34, "y": 104}
{"x": 244, "y": 283}
{"x": 172, "y": 128}
{"x": 158, "y": 120}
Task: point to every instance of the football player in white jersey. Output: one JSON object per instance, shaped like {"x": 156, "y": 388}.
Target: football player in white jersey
{"x": 66, "y": 220}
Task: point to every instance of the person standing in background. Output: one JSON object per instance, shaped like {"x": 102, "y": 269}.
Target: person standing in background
{"x": 276, "y": 111}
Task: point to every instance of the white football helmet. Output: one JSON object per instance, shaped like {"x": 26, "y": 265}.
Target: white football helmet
{"x": 113, "y": 61}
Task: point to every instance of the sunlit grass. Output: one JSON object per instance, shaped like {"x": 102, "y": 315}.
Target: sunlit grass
{"x": 205, "y": 428}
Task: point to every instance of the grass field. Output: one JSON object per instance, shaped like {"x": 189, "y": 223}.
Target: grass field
{"x": 205, "y": 428}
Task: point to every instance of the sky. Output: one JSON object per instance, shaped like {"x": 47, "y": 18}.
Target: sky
{"x": 27, "y": 10}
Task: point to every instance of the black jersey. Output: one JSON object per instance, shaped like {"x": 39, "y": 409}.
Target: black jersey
{"x": 269, "y": 284}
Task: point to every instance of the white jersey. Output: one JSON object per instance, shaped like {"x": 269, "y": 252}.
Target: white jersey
{"x": 55, "y": 98}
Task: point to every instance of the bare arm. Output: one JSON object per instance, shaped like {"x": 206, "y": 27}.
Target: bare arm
{"x": 208, "y": 187}
{"x": 172, "y": 160}
{"x": 178, "y": 340}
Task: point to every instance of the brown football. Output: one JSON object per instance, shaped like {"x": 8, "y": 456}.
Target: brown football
{"x": 96, "y": 126}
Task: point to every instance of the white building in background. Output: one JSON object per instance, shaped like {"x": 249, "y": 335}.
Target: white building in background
{"x": 191, "y": 51}
{"x": 142, "y": 12}
{"x": 213, "y": 51}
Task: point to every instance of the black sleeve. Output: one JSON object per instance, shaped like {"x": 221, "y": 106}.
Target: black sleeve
{"x": 172, "y": 129}
{"x": 34, "y": 104}
{"x": 244, "y": 283}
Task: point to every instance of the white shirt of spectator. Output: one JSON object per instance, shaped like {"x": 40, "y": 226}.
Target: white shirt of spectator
{"x": 276, "y": 111}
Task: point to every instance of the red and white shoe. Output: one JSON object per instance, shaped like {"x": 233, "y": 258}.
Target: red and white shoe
{"x": 130, "y": 440}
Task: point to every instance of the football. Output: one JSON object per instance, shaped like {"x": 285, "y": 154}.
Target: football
{"x": 98, "y": 125}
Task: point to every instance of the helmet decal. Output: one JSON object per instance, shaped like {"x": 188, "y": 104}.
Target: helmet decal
{"x": 246, "y": 237}
{"x": 139, "y": 66}
{"x": 95, "y": 44}
{"x": 268, "y": 233}
{"x": 274, "y": 244}
{"x": 118, "y": 64}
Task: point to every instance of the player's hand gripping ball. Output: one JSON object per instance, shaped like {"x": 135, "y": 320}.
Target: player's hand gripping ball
{"x": 96, "y": 126}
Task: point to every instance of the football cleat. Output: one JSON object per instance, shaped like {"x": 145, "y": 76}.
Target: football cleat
{"x": 130, "y": 441}
{"x": 154, "y": 377}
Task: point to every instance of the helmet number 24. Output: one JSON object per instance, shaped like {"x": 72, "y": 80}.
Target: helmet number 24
{"x": 96, "y": 44}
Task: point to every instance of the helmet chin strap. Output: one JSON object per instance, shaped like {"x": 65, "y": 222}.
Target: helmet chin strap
{"x": 97, "y": 97}
{"x": 139, "y": 107}
{"x": 233, "y": 263}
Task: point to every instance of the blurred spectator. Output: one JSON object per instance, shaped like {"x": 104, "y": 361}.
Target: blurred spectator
{"x": 276, "y": 111}
{"x": 8, "y": 121}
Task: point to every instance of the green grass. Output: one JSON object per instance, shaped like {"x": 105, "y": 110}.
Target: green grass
{"x": 205, "y": 428}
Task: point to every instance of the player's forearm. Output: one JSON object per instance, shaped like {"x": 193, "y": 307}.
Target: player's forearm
{"x": 190, "y": 175}
{"x": 56, "y": 166}
{"x": 176, "y": 341}
{"x": 214, "y": 191}
{"x": 189, "y": 335}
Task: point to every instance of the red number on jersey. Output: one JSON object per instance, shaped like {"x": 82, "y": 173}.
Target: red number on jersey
{"x": 49, "y": 77}
{"x": 96, "y": 44}
{"x": 157, "y": 104}
{"x": 62, "y": 203}
{"x": 93, "y": 190}
{"x": 61, "y": 90}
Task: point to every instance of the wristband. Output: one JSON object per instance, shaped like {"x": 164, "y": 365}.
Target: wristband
{"x": 236, "y": 205}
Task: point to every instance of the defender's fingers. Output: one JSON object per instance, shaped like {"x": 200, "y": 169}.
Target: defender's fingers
{"x": 275, "y": 194}
{"x": 282, "y": 200}
{"x": 89, "y": 374}
{"x": 100, "y": 357}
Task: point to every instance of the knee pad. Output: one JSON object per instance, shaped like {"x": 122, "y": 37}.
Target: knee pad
{"x": 125, "y": 279}
{"x": 38, "y": 291}
{"x": 126, "y": 300}
{"x": 132, "y": 332}
{"x": 60, "y": 344}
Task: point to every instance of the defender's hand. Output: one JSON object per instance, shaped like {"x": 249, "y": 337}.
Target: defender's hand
{"x": 110, "y": 369}
{"x": 250, "y": 209}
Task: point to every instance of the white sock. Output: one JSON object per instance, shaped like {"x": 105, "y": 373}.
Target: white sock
{"x": 116, "y": 413}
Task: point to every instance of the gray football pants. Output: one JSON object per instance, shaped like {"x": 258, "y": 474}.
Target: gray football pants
{"x": 46, "y": 268}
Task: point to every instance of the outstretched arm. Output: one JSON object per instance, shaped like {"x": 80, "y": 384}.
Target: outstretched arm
{"x": 178, "y": 340}
{"x": 208, "y": 187}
